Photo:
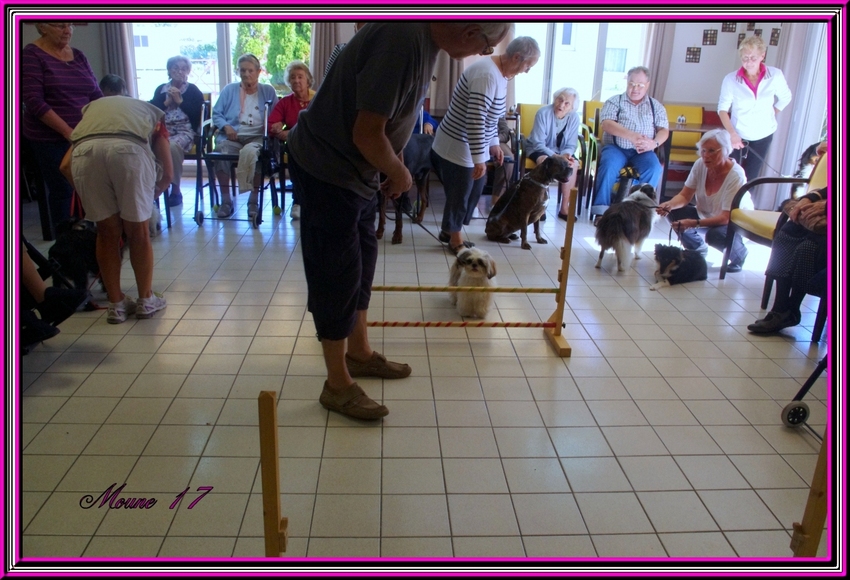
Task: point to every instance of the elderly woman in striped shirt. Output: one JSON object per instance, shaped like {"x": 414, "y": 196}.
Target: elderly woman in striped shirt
{"x": 467, "y": 137}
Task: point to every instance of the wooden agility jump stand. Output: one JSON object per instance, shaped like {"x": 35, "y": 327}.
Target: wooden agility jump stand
{"x": 275, "y": 528}
{"x": 806, "y": 537}
{"x": 551, "y": 328}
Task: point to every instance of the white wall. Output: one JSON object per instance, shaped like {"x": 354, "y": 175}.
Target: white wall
{"x": 699, "y": 83}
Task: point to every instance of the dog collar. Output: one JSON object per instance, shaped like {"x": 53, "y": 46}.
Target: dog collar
{"x": 537, "y": 183}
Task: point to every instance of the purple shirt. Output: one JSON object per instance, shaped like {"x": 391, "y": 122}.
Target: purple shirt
{"x": 49, "y": 83}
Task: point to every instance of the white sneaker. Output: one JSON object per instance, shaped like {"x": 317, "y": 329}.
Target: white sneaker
{"x": 145, "y": 307}
{"x": 295, "y": 212}
{"x": 117, "y": 312}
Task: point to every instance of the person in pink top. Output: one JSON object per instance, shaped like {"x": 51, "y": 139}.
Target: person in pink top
{"x": 56, "y": 83}
{"x": 285, "y": 114}
{"x": 750, "y": 99}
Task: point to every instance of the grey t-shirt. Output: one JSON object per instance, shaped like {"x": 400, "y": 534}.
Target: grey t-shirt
{"x": 385, "y": 69}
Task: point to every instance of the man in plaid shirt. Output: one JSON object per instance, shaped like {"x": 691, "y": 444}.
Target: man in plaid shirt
{"x": 633, "y": 126}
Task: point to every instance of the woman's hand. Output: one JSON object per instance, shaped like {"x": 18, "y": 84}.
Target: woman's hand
{"x": 230, "y": 132}
{"x": 428, "y": 129}
{"x": 175, "y": 95}
{"x": 812, "y": 210}
{"x": 737, "y": 142}
{"x": 478, "y": 171}
{"x": 683, "y": 225}
{"x": 276, "y": 129}
{"x": 794, "y": 214}
{"x": 496, "y": 154}
{"x": 663, "y": 209}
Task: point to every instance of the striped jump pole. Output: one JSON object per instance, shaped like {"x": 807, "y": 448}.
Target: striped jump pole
{"x": 551, "y": 328}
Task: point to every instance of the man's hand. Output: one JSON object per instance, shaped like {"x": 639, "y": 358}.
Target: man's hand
{"x": 394, "y": 185}
{"x": 428, "y": 129}
{"x": 478, "y": 171}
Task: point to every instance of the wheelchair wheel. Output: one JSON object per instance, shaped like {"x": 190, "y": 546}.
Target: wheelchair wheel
{"x": 199, "y": 217}
{"x": 795, "y": 414}
{"x": 256, "y": 221}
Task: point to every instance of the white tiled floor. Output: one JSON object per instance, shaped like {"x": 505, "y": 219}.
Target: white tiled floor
{"x": 660, "y": 436}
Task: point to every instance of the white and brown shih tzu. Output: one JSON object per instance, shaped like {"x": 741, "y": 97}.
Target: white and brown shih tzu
{"x": 473, "y": 267}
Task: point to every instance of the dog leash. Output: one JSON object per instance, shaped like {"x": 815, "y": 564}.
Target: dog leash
{"x": 749, "y": 150}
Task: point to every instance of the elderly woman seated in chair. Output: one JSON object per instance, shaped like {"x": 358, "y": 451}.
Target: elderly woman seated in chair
{"x": 798, "y": 254}
{"x": 238, "y": 115}
{"x": 714, "y": 180}
{"x": 555, "y": 132}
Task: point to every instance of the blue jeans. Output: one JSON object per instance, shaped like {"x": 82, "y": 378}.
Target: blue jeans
{"x": 49, "y": 155}
{"x": 714, "y": 237}
{"x": 612, "y": 159}
{"x": 462, "y": 192}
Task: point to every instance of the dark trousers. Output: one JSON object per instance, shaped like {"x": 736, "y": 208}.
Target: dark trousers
{"x": 714, "y": 237}
{"x": 49, "y": 155}
{"x": 752, "y": 163}
{"x": 340, "y": 252}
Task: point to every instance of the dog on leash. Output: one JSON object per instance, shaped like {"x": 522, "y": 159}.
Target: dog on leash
{"x": 807, "y": 163}
{"x": 417, "y": 159}
{"x": 473, "y": 267}
{"x": 627, "y": 224}
{"x": 677, "y": 266}
{"x": 525, "y": 203}
{"x": 75, "y": 251}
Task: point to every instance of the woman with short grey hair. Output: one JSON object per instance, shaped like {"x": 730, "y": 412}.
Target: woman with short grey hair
{"x": 182, "y": 102}
{"x": 555, "y": 133}
{"x": 713, "y": 181}
{"x": 468, "y": 135}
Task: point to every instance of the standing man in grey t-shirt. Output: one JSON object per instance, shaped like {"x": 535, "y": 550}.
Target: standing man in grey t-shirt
{"x": 355, "y": 129}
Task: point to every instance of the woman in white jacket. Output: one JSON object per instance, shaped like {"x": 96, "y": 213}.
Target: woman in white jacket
{"x": 750, "y": 99}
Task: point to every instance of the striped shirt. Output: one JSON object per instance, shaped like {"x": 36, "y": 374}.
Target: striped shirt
{"x": 470, "y": 126}
{"x": 638, "y": 118}
{"x": 49, "y": 83}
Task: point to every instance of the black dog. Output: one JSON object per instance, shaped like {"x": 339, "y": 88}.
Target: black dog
{"x": 75, "y": 251}
{"x": 417, "y": 159}
{"x": 677, "y": 266}
{"x": 525, "y": 203}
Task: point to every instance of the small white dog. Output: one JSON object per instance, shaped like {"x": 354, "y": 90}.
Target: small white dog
{"x": 473, "y": 267}
{"x": 155, "y": 223}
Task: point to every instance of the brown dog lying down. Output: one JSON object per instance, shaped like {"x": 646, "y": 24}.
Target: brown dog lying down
{"x": 525, "y": 202}
{"x": 417, "y": 159}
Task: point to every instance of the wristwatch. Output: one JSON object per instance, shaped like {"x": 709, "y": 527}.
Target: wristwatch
{"x": 657, "y": 145}
{"x": 697, "y": 222}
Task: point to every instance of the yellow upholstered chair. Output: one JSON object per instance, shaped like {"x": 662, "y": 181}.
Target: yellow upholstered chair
{"x": 526, "y": 123}
{"x": 760, "y": 225}
{"x": 683, "y": 152}
{"x": 590, "y": 116}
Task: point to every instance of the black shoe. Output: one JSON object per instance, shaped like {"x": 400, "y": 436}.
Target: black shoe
{"x": 34, "y": 330}
{"x": 444, "y": 237}
{"x": 60, "y": 303}
{"x": 775, "y": 321}
{"x": 175, "y": 199}
{"x": 563, "y": 216}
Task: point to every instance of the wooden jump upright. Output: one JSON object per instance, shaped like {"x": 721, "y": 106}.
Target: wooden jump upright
{"x": 275, "y": 528}
{"x": 551, "y": 328}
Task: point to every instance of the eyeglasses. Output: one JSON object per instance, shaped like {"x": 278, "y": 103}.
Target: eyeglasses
{"x": 489, "y": 49}
{"x": 178, "y": 68}
{"x": 61, "y": 25}
{"x": 750, "y": 58}
{"x": 708, "y": 151}
{"x": 640, "y": 86}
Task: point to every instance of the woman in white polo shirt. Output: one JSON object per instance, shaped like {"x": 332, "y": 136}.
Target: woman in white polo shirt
{"x": 750, "y": 98}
